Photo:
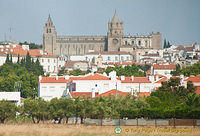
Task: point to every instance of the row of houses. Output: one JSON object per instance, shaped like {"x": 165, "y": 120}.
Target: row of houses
{"x": 96, "y": 85}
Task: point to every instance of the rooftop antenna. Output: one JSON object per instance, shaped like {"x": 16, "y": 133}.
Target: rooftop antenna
{"x": 10, "y": 30}
{"x": 5, "y": 37}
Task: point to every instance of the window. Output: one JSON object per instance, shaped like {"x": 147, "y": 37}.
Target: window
{"x": 139, "y": 42}
{"x": 48, "y": 68}
{"x": 46, "y": 24}
{"x": 127, "y": 58}
{"x": 42, "y": 60}
{"x": 48, "y": 60}
{"x": 122, "y": 57}
{"x": 54, "y": 61}
{"x": 116, "y": 58}
{"x": 132, "y": 42}
{"x": 54, "y": 68}
{"x": 50, "y": 30}
{"x": 47, "y": 30}
{"x": 108, "y": 57}
{"x": 126, "y": 42}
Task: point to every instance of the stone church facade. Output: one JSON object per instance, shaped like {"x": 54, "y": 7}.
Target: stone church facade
{"x": 113, "y": 41}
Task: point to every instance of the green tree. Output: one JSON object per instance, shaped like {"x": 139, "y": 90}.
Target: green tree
{"x": 7, "y": 110}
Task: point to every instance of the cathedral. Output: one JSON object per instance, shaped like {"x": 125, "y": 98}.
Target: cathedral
{"x": 115, "y": 40}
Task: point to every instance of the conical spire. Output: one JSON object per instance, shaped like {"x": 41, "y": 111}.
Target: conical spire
{"x": 115, "y": 18}
{"x": 49, "y": 18}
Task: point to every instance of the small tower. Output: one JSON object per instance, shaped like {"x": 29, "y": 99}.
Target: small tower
{"x": 49, "y": 36}
{"x": 115, "y": 33}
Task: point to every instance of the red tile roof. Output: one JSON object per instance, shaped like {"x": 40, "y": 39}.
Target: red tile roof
{"x": 135, "y": 80}
{"x": 70, "y": 64}
{"x": 193, "y": 79}
{"x": 163, "y": 79}
{"x": 18, "y": 50}
{"x": 197, "y": 89}
{"x": 53, "y": 80}
{"x": 180, "y": 47}
{"x": 81, "y": 94}
{"x": 118, "y": 63}
{"x": 113, "y": 93}
{"x": 143, "y": 94}
{"x": 151, "y": 55}
{"x": 93, "y": 77}
{"x": 164, "y": 66}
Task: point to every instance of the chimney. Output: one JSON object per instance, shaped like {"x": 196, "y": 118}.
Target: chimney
{"x": 66, "y": 77}
{"x": 112, "y": 75}
{"x": 132, "y": 78}
{"x": 157, "y": 77}
{"x": 122, "y": 78}
{"x": 56, "y": 77}
{"x": 151, "y": 78}
{"x": 131, "y": 91}
{"x": 40, "y": 78}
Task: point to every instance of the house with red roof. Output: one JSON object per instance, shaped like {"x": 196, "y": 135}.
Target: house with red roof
{"x": 162, "y": 69}
{"x": 195, "y": 80}
{"x": 97, "y": 85}
{"x": 47, "y": 60}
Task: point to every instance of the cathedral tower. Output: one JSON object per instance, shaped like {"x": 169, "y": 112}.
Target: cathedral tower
{"x": 49, "y": 36}
{"x": 115, "y": 33}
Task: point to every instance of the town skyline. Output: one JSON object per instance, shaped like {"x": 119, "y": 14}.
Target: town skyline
{"x": 178, "y": 21}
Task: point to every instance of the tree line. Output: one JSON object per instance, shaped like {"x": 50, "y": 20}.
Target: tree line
{"x": 171, "y": 100}
{"x": 21, "y": 76}
{"x": 187, "y": 70}
{"x": 135, "y": 70}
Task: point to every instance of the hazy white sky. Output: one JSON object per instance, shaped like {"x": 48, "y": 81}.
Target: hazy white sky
{"x": 177, "y": 20}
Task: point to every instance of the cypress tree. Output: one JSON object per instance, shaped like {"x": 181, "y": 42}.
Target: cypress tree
{"x": 28, "y": 62}
{"x": 7, "y": 59}
{"x": 11, "y": 59}
{"x": 18, "y": 59}
{"x": 165, "y": 44}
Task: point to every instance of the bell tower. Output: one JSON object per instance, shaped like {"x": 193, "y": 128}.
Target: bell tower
{"x": 115, "y": 33}
{"x": 49, "y": 36}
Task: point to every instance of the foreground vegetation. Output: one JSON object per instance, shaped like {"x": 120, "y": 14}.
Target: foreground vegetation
{"x": 21, "y": 76}
{"x": 188, "y": 70}
{"x": 170, "y": 101}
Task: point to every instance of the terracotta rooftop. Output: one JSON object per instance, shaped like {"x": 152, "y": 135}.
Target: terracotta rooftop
{"x": 93, "y": 77}
{"x": 70, "y": 64}
{"x": 164, "y": 66}
{"x": 135, "y": 80}
{"x": 193, "y": 79}
{"x": 152, "y": 55}
{"x": 53, "y": 80}
{"x": 113, "y": 93}
{"x": 118, "y": 63}
{"x": 18, "y": 50}
{"x": 143, "y": 94}
{"x": 81, "y": 94}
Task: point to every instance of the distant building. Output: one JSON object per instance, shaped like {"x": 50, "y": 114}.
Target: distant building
{"x": 115, "y": 40}
{"x": 11, "y": 96}
{"x": 49, "y": 61}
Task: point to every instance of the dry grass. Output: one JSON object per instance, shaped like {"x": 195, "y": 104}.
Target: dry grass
{"x": 82, "y": 130}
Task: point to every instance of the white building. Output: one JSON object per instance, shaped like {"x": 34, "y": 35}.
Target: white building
{"x": 162, "y": 69}
{"x": 51, "y": 87}
{"x": 49, "y": 61}
{"x": 11, "y": 96}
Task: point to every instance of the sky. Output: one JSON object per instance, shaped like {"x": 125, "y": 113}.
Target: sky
{"x": 177, "y": 20}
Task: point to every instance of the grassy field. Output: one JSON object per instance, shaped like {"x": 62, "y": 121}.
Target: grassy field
{"x": 82, "y": 130}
